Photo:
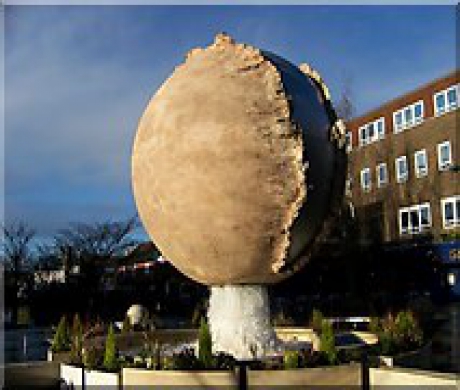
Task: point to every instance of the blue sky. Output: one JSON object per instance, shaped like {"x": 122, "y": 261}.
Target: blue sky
{"x": 77, "y": 79}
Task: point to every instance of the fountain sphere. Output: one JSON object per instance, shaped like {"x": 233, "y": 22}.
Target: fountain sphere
{"x": 238, "y": 165}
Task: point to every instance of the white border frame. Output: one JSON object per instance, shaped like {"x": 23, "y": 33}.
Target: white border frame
{"x": 418, "y": 173}
{"x": 448, "y": 164}
{"x": 377, "y": 136}
{"x": 381, "y": 183}
{"x": 363, "y": 187}
{"x": 418, "y": 208}
{"x": 399, "y": 178}
{"x": 450, "y": 199}
{"x": 415, "y": 123}
{"x": 444, "y": 92}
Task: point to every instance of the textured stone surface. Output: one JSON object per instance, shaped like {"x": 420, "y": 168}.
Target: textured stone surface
{"x": 220, "y": 163}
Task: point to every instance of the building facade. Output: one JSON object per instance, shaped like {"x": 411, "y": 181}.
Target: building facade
{"x": 404, "y": 165}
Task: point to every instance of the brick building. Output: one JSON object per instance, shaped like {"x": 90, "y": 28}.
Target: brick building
{"x": 404, "y": 165}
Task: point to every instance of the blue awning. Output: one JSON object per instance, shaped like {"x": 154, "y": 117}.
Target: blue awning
{"x": 448, "y": 252}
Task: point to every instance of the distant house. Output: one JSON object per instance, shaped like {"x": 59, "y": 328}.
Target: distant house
{"x": 47, "y": 276}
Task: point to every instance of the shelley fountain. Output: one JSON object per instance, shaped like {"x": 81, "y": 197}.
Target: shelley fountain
{"x": 238, "y": 169}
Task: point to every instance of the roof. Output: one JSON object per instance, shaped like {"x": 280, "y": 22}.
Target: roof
{"x": 401, "y": 100}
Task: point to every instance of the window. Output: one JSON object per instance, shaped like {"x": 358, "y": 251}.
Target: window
{"x": 382, "y": 175}
{"x": 444, "y": 156}
{"x": 349, "y": 141}
{"x": 408, "y": 116}
{"x": 446, "y": 100}
{"x": 402, "y": 171}
{"x": 421, "y": 163}
{"x": 372, "y": 132}
{"x": 450, "y": 212}
{"x": 414, "y": 219}
{"x": 366, "y": 179}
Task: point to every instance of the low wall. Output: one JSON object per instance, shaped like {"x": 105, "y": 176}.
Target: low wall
{"x": 139, "y": 377}
{"x": 349, "y": 375}
{"x": 43, "y": 375}
{"x": 402, "y": 376}
{"x": 345, "y": 375}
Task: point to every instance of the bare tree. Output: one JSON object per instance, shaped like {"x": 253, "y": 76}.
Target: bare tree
{"x": 16, "y": 245}
{"x": 93, "y": 247}
{"x": 345, "y": 106}
{"x": 16, "y": 240}
{"x": 99, "y": 240}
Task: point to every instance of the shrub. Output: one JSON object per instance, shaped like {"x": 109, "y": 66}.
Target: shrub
{"x": 91, "y": 357}
{"x": 186, "y": 360}
{"x": 291, "y": 359}
{"x": 407, "y": 332}
{"x": 375, "y": 325}
{"x": 386, "y": 342}
{"x": 76, "y": 341}
{"x": 317, "y": 319}
{"x": 400, "y": 333}
{"x": 224, "y": 361}
{"x": 167, "y": 363}
{"x": 61, "y": 339}
{"x": 327, "y": 342}
{"x": 205, "y": 345}
{"x": 110, "y": 355}
{"x": 281, "y": 319}
{"x": 126, "y": 327}
{"x": 309, "y": 358}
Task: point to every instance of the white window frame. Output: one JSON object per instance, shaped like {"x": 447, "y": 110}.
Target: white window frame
{"x": 444, "y": 165}
{"x": 401, "y": 178}
{"x": 455, "y": 222}
{"x": 364, "y": 138}
{"x": 349, "y": 141}
{"x": 447, "y": 107}
{"x": 414, "y": 229}
{"x": 414, "y": 122}
{"x": 380, "y": 182}
{"x": 366, "y": 186}
{"x": 419, "y": 172}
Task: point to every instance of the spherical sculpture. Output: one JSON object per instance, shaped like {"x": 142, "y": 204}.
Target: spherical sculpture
{"x": 137, "y": 314}
{"x": 237, "y": 164}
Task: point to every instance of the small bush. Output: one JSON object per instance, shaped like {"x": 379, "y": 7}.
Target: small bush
{"x": 186, "y": 360}
{"x": 76, "y": 341}
{"x": 291, "y": 359}
{"x": 91, "y": 357}
{"x": 407, "y": 332}
{"x": 205, "y": 345}
{"x": 375, "y": 325}
{"x": 224, "y": 361}
{"x": 61, "y": 339}
{"x": 309, "y": 358}
{"x": 167, "y": 363}
{"x": 327, "y": 342}
{"x": 126, "y": 327}
{"x": 281, "y": 319}
{"x": 316, "y": 321}
{"x": 110, "y": 356}
{"x": 399, "y": 334}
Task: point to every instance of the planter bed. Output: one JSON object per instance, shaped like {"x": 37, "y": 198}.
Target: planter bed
{"x": 72, "y": 375}
{"x": 202, "y": 379}
{"x": 58, "y": 357}
{"x": 99, "y": 378}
